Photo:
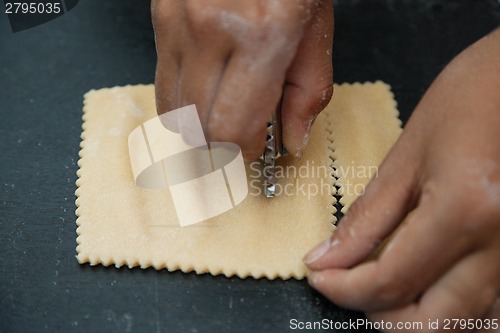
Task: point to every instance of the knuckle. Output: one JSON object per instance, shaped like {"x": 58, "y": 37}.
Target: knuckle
{"x": 485, "y": 214}
{"x": 271, "y": 27}
{"x": 481, "y": 195}
{"x": 486, "y": 198}
{"x": 271, "y": 32}
{"x": 202, "y": 16}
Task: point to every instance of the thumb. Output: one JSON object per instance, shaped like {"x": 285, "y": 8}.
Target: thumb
{"x": 373, "y": 216}
{"x": 309, "y": 80}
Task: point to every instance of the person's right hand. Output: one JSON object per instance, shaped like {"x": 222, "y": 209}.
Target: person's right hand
{"x": 234, "y": 60}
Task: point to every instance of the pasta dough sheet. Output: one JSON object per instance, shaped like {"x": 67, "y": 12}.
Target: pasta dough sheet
{"x": 122, "y": 224}
{"x": 365, "y": 125}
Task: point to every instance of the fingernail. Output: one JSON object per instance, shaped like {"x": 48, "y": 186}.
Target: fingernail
{"x": 317, "y": 252}
{"x": 315, "y": 278}
{"x": 302, "y": 146}
{"x": 305, "y": 139}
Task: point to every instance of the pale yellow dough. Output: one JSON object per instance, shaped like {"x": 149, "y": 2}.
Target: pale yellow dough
{"x": 364, "y": 125}
{"x": 122, "y": 224}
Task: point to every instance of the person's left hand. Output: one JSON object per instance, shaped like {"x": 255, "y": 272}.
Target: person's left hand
{"x": 444, "y": 262}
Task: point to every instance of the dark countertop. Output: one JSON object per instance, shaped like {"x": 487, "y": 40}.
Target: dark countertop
{"x": 44, "y": 73}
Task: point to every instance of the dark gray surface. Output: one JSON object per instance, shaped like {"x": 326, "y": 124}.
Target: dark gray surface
{"x": 44, "y": 73}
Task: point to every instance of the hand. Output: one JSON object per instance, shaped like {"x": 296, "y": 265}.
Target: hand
{"x": 234, "y": 60}
{"x": 443, "y": 262}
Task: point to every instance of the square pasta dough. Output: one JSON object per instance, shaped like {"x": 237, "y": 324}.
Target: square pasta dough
{"x": 121, "y": 223}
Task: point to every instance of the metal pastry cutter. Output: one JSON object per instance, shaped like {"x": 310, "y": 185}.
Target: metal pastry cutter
{"x": 274, "y": 148}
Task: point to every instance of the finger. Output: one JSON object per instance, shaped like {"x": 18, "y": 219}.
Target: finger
{"x": 309, "y": 80}
{"x": 391, "y": 280}
{"x": 167, "y": 82}
{"x": 467, "y": 291}
{"x": 201, "y": 73}
{"x": 249, "y": 92}
{"x": 168, "y": 37}
{"x": 373, "y": 216}
{"x": 193, "y": 50}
